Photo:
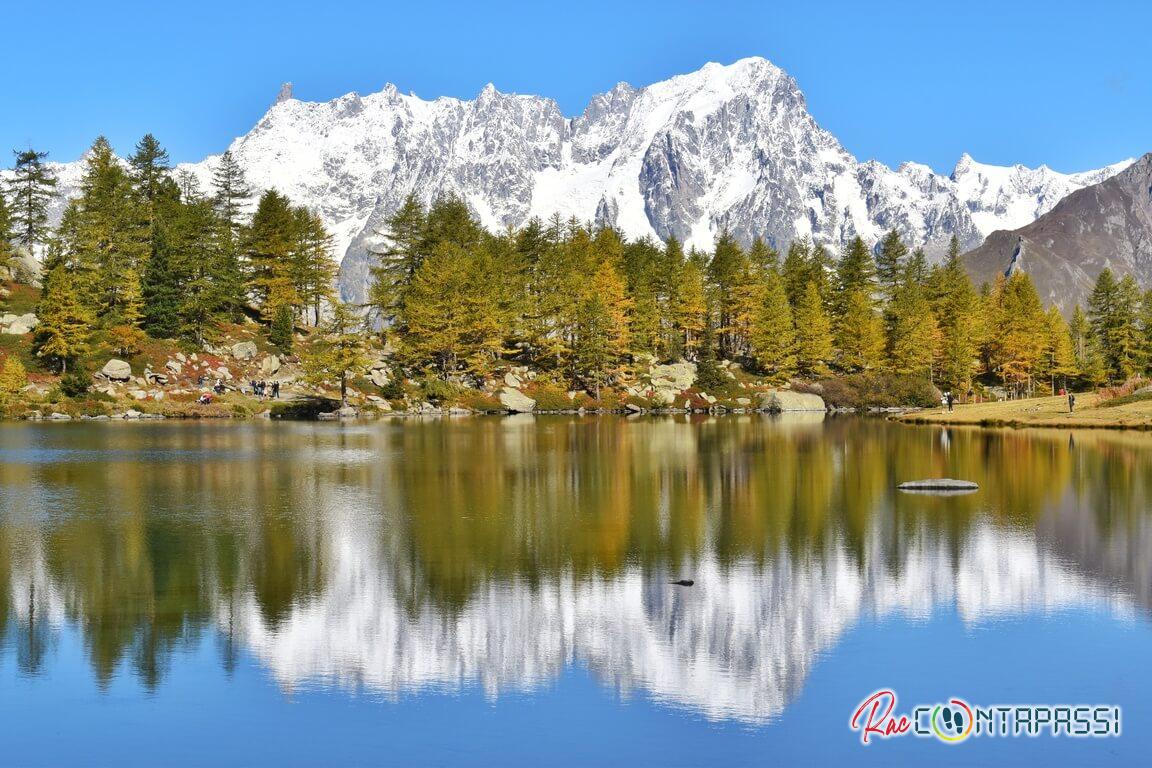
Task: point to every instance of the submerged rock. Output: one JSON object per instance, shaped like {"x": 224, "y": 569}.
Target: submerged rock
{"x": 939, "y": 485}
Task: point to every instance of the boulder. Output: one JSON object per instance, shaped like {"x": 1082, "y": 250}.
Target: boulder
{"x": 675, "y": 376}
{"x": 59, "y": 417}
{"x": 347, "y": 412}
{"x": 244, "y": 350}
{"x": 511, "y": 380}
{"x": 787, "y": 401}
{"x": 18, "y": 325}
{"x": 269, "y": 365}
{"x": 139, "y": 394}
{"x": 379, "y": 376}
{"x": 173, "y": 367}
{"x": 116, "y": 370}
{"x": 516, "y": 401}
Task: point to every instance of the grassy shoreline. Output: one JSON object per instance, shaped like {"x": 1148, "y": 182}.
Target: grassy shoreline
{"x": 1050, "y": 412}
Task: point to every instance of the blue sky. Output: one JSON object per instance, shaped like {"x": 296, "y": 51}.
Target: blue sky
{"x": 1062, "y": 83}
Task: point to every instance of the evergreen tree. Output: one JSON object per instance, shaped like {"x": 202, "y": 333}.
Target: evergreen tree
{"x": 7, "y": 252}
{"x": 127, "y": 336}
{"x": 796, "y": 271}
{"x": 63, "y": 331}
{"x": 813, "y": 333}
{"x": 1112, "y": 314}
{"x": 32, "y": 186}
{"x": 399, "y": 259}
{"x": 281, "y": 328}
{"x": 855, "y": 272}
{"x": 890, "y": 263}
{"x": 761, "y": 257}
{"x": 336, "y": 350}
{"x": 230, "y": 194}
{"x": 313, "y": 269}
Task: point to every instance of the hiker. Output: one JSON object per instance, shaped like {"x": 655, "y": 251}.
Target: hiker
{"x": 218, "y": 387}
{"x": 1071, "y": 402}
{"x": 949, "y": 398}
{"x": 275, "y": 390}
{"x": 971, "y": 395}
{"x": 204, "y": 399}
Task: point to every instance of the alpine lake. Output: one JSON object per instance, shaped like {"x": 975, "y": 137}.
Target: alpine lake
{"x": 500, "y": 590}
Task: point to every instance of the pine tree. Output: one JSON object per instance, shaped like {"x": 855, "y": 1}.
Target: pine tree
{"x": 813, "y": 333}
{"x": 890, "y": 263}
{"x": 281, "y": 328}
{"x": 772, "y": 335}
{"x": 855, "y": 272}
{"x": 1112, "y": 314}
{"x": 761, "y": 257}
{"x": 399, "y": 259}
{"x": 230, "y": 194}
{"x": 65, "y": 323}
{"x": 7, "y": 252}
{"x": 337, "y": 349}
{"x": 32, "y": 186}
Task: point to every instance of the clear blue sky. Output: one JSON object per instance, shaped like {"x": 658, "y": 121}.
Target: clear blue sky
{"x": 1063, "y": 83}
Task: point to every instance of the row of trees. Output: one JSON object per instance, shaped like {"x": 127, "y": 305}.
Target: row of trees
{"x": 587, "y": 302}
{"x": 142, "y": 250}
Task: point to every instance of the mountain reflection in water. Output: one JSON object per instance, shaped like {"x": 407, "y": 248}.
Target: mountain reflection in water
{"x": 437, "y": 555}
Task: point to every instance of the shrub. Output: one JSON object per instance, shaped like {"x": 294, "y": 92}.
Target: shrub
{"x": 550, "y": 397}
{"x": 439, "y": 391}
{"x": 710, "y": 376}
{"x": 75, "y": 383}
{"x": 875, "y": 390}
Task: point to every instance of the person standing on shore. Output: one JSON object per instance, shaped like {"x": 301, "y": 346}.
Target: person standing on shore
{"x": 1071, "y": 402}
{"x": 949, "y": 398}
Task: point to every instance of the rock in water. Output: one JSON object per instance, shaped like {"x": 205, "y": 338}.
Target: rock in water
{"x": 939, "y": 485}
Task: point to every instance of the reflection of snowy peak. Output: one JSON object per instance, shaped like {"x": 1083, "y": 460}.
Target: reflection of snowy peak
{"x": 738, "y": 645}
{"x": 727, "y": 146}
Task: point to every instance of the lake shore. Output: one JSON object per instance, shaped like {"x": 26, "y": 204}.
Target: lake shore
{"x": 1040, "y": 412}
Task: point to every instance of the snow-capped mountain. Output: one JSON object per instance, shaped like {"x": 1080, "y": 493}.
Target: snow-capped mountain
{"x": 727, "y": 146}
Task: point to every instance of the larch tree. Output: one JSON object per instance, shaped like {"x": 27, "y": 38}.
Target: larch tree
{"x": 890, "y": 262}
{"x": 813, "y": 332}
{"x": 772, "y": 336}
{"x": 65, "y": 323}
{"x": 690, "y": 313}
{"x": 336, "y": 350}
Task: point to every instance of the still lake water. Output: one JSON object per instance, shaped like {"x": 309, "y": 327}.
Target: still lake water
{"x": 495, "y": 591}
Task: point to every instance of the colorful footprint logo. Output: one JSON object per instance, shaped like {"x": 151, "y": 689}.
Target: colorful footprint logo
{"x": 952, "y": 722}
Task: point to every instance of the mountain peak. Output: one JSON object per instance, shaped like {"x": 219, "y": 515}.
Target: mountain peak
{"x": 285, "y": 93}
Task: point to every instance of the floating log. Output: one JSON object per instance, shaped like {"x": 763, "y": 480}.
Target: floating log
{"x": 939, "y": 485}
